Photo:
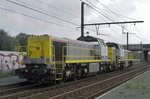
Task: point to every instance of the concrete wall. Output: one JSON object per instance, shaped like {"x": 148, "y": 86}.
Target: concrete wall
{"x": 10, "y": 60}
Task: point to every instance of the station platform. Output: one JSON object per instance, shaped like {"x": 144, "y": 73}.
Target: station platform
{"x": 136, "y": 88}
{"x": 10, "y": 80}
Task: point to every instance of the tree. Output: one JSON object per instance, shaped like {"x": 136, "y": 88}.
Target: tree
{"x": 22, "y": 39}
{"x": 7, "y": 43}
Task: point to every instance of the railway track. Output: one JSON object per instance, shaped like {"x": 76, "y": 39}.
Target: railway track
{"x": 34, "y": 92}
{"x": 94, "y": 90}
{"x": 30, "y": 91}
{"x": 17, "y": 88}
{"x": 6, "y": 87}
{"x": 90, "y": 88}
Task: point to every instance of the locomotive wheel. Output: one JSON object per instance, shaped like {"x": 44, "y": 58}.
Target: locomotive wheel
{"x": 62, "y": 82}
{"x": 101, "y": 69}
{"x": 75, "y": 78}
{"x": 121, "y": 66}
{"x": 42, "y": 81}
{"x": 111, "y": 67}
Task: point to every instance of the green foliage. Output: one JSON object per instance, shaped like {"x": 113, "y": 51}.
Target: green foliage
{"x": 137, "y": 85}
{"x": 7, "y": 73}
{"x": 8, "y": 43}
{"x": 22, "y": 39}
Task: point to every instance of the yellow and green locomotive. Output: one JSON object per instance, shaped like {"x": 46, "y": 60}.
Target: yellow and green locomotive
{"x": 54, "y": 59}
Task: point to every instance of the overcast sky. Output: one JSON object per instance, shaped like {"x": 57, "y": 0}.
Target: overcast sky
{"x": 69, "y": 10}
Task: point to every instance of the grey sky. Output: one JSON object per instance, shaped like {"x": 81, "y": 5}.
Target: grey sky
{"x": 137, "y": 9}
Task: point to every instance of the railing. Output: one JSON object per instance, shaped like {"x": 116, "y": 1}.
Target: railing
{"x": 58, "y": 65}
{"x": 21, "y": 49}
{"x": 22, "y": 52}
{"x": 78, "y": 54}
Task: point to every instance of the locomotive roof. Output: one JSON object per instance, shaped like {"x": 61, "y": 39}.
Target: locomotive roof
{"x": 112, "y": 44}
{"x": 89, "y": 39}
{"x": 68, "y": 40}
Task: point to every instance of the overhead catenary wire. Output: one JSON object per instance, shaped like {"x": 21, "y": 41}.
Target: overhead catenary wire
{"x": 33, "y": 9}
{"x": 119, "y": 15}
{"x": 93, "y": 9}
{"x": 67, "y": 12}
{"x": 96, "y": 9}
{"x": 92, "y": 6}
{"x": 135, "y": 38}
{"x": 101, "y": 13}
{"x": 139, "y": 37}
{"x": 60, "y": 10}
{"x": 35, "y": 18}
{"x": 98, "y": 16}
{"x": 42, "y": 12}
{"x": 105, "y": 15}
{"x": 109, "y": 9}
{"x": 45, "y": 13}
{"x": 39, "y": 8}
{"x": 138, "y": 31}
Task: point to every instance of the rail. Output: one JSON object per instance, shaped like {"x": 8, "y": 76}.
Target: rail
{"x": 95, "y": 89}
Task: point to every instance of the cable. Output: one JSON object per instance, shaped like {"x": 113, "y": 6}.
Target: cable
{"x": 135, "y": 38}
{"x": 104, "y": 15}
{"x": 107, "y": 16}
{"x": 114, "y": 12}
{"x": 41, "y": 2}
{"x": 117, "y": 14}
{"x": 88, "y": 4}
{"x": 98, "y": 15}
{"x": 142, "y": 39}
{"x": 110, "y": 10}
{"x": 98, "y": 12}
{"x": 34, "y": 18}
{"x": 37, "y": 7}
{"x": 58, "y": 9}
{"x": 41, "y": 12}
{"x": 140, "y": 33}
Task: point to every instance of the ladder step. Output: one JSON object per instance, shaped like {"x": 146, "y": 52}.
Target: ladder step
{"x": 58, "y": 78}
{"x": 59, "y": 73}
{"x": 58, "y": 68}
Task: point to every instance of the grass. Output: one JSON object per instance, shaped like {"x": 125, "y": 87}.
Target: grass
{"x": 121, "y": 92}
{"x": 6, "y": 73}
{"x": 138, "y": 83}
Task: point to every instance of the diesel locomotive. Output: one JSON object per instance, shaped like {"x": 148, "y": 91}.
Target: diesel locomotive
{"x": 54, "y": 59}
